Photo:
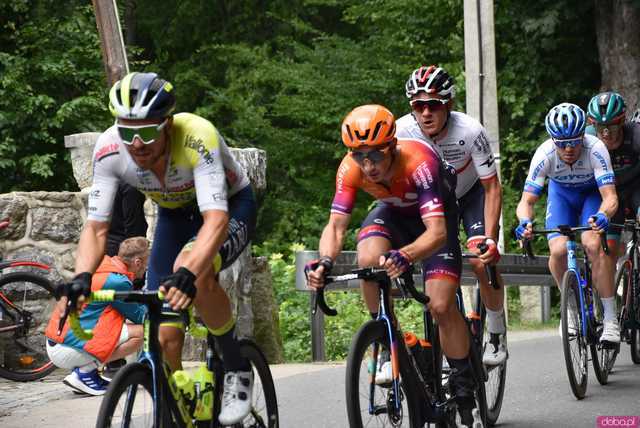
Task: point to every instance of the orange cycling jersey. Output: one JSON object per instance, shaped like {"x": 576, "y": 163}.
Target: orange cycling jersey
{"x": 422, "y": 184}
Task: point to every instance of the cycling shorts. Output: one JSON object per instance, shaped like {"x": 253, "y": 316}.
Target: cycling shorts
{"x": 570, "y": 206}
{"x": 472, "y": 210}
{"x": 177, "y": 227}
{"x": 401, "y": 230}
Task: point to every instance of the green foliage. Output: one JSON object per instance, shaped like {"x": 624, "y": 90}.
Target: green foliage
{"x": 51, "y": 79}
{"x": 280, "y": 76}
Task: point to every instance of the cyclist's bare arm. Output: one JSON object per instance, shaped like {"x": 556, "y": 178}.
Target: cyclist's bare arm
{"x": 492, "y": 206}
{"x": 429, "y": 241}
{"x": 332, "y": 237}
{"x": 609, "y": 204}
{"x": 91, "y": 247}
{"x": 89, "y": 254}
{"x": 525, "y": 208}
{"x": 208, "y": 241}
{"x": 331, "y": 242}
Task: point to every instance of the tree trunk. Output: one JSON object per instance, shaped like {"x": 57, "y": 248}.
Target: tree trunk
{"x": 618, "y": 34}
{"x": 130, "y": 22}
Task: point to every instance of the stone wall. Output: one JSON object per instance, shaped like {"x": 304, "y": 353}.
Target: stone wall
{"x": 45, "y": 226}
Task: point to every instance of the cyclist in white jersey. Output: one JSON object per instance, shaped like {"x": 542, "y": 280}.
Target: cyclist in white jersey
{"x": 462, "y": 142}
{"x": 581, "y": 190}
{"x": 206, "y": 217}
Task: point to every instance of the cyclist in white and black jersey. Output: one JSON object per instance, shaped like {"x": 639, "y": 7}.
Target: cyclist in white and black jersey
{"x": 206, "y": 217}
{"x": 581, "y": 191}
{"x": 462, "y": 142}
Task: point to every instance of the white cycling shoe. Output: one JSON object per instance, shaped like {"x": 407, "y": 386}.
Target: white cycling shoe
{"x": 610, "y": 332}
{"x": 495, "y": 350}
{"x": 236, "y": 400}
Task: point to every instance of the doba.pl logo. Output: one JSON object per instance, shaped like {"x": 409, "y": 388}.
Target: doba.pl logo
{"x": 618, "y": 421}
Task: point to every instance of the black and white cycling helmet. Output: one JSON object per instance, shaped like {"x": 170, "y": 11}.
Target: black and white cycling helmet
{"x": 432, "y": 80}
{"x": 141, "y": 96}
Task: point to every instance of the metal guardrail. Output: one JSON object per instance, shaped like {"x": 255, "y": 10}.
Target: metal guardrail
{"x": 515, "y": 269}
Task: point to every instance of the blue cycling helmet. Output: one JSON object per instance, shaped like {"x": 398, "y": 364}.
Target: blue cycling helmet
{"x": 565, "y": 121}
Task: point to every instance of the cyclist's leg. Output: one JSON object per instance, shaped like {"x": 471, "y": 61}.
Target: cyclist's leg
{"x": 472, "y": 213}
{"x": 375, "y": 239}
{"x": 442, "y": 278}
{"x": 603, "y": 268}
{"x": 174, "y": 228}
{"x": 214, "y": 307}
{"x": 563, "y": 206}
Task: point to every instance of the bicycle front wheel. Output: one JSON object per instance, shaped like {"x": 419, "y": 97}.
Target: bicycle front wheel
{"x": 369, "y": 404}
{"x": 26, "y": 302}
{"x": 264, "y": 410}
{"x": 129, "y": 399}
{"x": 603, "y": 358}
{"x": 495, "y": 384}
{"x": 574, "y": 344}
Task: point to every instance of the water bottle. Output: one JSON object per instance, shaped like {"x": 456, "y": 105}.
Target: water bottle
{"x": 421, "y": 351}
{"x": 185, "y": 384}
{"x": 203, "y": 384}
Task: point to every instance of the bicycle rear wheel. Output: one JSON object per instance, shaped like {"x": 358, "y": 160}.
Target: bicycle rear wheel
{"x": 369, "y": 404}
{"x": 129, "y": 399}
{"x": 26, "y": 302}
{"x": 574, "y": 344}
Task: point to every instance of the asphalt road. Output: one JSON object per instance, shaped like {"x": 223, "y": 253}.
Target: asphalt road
{"x": 312, "y": 395}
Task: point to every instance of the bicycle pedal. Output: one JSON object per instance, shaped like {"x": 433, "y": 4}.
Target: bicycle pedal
{"x": 610, "y": 345}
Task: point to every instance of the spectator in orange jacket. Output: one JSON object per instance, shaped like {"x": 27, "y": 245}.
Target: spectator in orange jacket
{"x": 113, "y": 338}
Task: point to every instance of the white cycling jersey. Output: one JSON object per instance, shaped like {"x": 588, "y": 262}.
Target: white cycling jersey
{"x": 200, "y": 168}
{"x": 465, "y": 146}
{"x": 591, "y": 169}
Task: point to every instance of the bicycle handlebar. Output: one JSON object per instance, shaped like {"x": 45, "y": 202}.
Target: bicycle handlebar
{"x": 405, "y": 281}
{"x": 567, "y": 231}
{"x": 492, "y": 272}
{"x": 136, "y": 296}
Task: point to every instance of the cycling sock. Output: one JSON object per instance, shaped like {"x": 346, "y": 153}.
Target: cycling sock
{"x": 609, "y": 306}
{"x": 495, "y": 321}
{"x": 88, "y": 367}
{"x": 230, "y": 349}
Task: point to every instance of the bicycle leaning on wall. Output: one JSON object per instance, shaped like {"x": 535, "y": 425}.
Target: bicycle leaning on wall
{"x": 26, "y": 300}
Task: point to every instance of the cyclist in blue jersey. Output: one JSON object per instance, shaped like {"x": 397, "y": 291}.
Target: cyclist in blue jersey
{"x": 581, "y": 191}
{"x": 206, "y": 217}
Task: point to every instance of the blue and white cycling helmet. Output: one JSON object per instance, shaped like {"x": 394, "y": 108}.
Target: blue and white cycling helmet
{"x": 565, "y": 121}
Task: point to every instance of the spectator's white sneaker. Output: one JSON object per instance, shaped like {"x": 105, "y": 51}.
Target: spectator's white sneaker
{"x": 88, "y": 383}
{"x": 236, "y": 401}
{"x": 610, "y": 332}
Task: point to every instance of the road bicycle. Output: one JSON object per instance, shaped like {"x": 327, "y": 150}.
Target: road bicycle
{"x": 144, "y": 394}
{"x": 419, "y": 394}
{"x": 26, "y": 301}
{"x": 581, "y": 304}
{"x": 496, "y": 375}
{"x": 628, "y": 283}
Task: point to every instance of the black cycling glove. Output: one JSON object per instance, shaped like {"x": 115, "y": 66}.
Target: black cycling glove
{"x": 182, "y": 279}
{"x": 80, "y": 285}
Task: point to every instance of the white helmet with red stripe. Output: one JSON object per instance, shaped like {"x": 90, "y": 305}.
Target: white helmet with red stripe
{"x": 432, "y": 80}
